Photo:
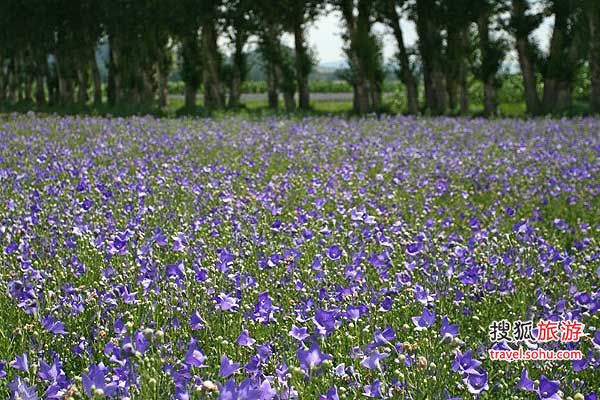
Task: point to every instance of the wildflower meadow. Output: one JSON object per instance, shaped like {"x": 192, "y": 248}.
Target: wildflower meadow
{"x": 296, "y": 258}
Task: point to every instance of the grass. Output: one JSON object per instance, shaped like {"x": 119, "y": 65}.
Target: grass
{"x": 257, "y": 109}
{"x": 227, "y": 182}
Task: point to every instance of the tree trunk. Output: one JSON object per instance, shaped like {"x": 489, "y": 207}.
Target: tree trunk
{"x": 190, "y": 96}
{"x": 96, "y": 79}
{"x": 163, "y": 88}
{"x": 272, "y": 92}
{"x": 406, "y": 75}
{"x": 452, "y": 66}
{"x": 563, "y": 60}
{"x": 235, "y": 88}
{"x": 490, "y": 102}
{"x": 27, "y": 74}
{"x": 463, "y": 74}
{"x": 65, "y": 80}
{"x": 430, "y": 43}
{"x": 2, "y": 81}
{"x": 271, "y": 51}
{"x": 65, "y": 90}
{"x": 213, "y": 90}
{"x": 82, "y": 84}
{"x": 147, "y": 89}
{"x": 550, "y": 93}
{"x": 40, "y": 97}
{"x": 526, "y": 61}
{"x": 563, "y": 95}
{"x": 28, "y": 89}
{"x": 51, "y": 83}
{"x": 303, "y": 67}
{"x": 363, "y": 101}
{"x": 237, "y": 70}
{"x": 190, "y": 71}
{"x": 529, "y": 81}
{"x": 288, "y": 100}
{"x": 115, "y": 88}
{"x": 376, "y": 92}
{"x": 456, "y": 71}
{"x": 464, "y": 94}
{"x": 367, "y": 89}
{"x": 12, "y": 85}
{"x": 488, "y": 68}
{"x": 594, "y": 55}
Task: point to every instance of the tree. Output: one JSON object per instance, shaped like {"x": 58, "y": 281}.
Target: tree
{"x": 363, "y": 49}
{"x": 185, "y": 27}
{"x": 563, "y": 61}
{"x": 241, "y": 23}
{"x": 592, "y": 10}
{"x": 427, "y": 15}
{"x": 457, "y": 17}
{"x": 491, "y": 51}
{"x": 389, "y": 15}
{"x": 299, "y": 13}
{"x": 522, "y": 25}
{"x": 214, "y": 96}
{"x": 280, "y": 75}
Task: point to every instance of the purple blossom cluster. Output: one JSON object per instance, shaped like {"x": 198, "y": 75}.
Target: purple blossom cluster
{"x": 319, "y": 258}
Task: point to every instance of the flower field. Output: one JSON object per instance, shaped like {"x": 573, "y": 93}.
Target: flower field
{"x": 320, "y": 258}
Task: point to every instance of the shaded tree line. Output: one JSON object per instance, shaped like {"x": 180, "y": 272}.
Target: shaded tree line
{"x": 48, "y": 50}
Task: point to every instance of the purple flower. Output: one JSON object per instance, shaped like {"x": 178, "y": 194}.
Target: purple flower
{"x": 331, "y": 394}
{"x": 548, "y": 390}
{"x": 264, "y": 309}
{"x": 299, "y": 333}
{"x": 194, "y": 356}
{"x": 448, "y": 331}
{"x": 476, "y": 381}
{"x": 248, "y": 389}
{"x": 196, "y": 321}
{"x": 525, "y": 383}
{"x": 266, "y": 391}
{"x": 464, "y": 362}
{"x": 425, "y": 320}
{"x": 94, "y": 381}
{"x": 179, "y": 242}
{"x": 311, "y": 358}
{"x": 334, "y": 252}
{"x": 412, "y": 249}
{"x": 20, "y": 363}
{"x": 19, "y": 390}
{"x": 373, "y": 390}
{"x": 55, "y": 376}
{"x": 325, "y": 321}
{"x": 227, "y": 367}
{"x": 244, "y": 339}
{"x": 596, "y": 339}
{"x": 54, "y": 326}
{"x": 176, "y": 271}
{"x": 226, "y": 302}
{"x": 385, "y": 336}
{"x": 373, "y": 361}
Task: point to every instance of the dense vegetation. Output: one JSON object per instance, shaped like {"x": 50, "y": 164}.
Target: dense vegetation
{"x": 48, "y": 52}
{"x": 320, "y": 258}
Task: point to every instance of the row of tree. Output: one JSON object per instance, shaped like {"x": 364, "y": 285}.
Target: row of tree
{"x": 48, "y": 50}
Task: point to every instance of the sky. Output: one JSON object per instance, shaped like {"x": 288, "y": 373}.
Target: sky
{"x": 324, "y": 36}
